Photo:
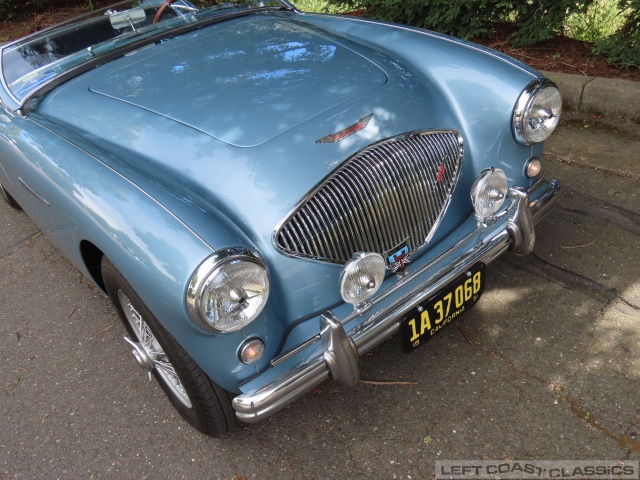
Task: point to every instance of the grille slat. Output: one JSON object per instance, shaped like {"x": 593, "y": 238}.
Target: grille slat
{"x": 383, "y": 197}
{"x": 391, "y": 192}
{"x": 375, "y": 211}
{"x": 328, "y": 239}
{"x": 416, "y": 200}
{"x": 332, "y": 208}
{"x": 382, "y": 210}
{"x": 366, "y": 205}
{"x": 408, "y": 193}
{"x": 390, "y": 185}
{"x": 427, "y": 204}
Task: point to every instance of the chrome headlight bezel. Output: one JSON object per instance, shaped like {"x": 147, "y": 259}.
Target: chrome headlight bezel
{"x": 207, "y": 272}
{"x": 540, "y": 90}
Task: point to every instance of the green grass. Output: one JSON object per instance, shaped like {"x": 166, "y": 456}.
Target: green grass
{"x": 601, "y": 20}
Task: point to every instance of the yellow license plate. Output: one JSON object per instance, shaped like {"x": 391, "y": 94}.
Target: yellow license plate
{"x": 431, "y": 316}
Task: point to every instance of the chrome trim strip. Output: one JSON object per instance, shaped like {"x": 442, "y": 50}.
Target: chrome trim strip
{"x": 32, "y": 192}
{"x": 257, "y": 405}
{"x": 294, "y": 350}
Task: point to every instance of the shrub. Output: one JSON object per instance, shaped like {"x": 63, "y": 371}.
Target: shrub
{"x": 533, "y": 20}
{"x": 542, "y": 20}
{"x": 462, "y": 18}
{"x": 13, "y": 10}
{"x": 623, "y": 48}
{"x": 600, "y": 20}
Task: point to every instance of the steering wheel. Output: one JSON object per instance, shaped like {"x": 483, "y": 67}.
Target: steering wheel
{"x": 162, "y": 9}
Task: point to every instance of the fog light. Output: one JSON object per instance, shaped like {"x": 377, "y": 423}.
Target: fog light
{"x": 532, "y": 167}
{"x": 252, "y": 350}
{"x": 361, "y": 277}
{"x": 488, "y": 192}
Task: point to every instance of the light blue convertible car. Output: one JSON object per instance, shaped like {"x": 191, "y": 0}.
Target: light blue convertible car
{"x": 266, "y": 194}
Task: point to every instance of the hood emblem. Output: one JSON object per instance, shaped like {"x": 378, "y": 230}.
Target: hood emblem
{"x": 342, "y": 134}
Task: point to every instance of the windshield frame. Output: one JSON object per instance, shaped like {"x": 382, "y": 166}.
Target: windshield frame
{"x": 137, "y": 43}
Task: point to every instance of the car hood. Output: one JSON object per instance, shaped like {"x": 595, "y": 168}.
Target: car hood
{"x": 184, "y": 139}
{"x": 244, "y": 82}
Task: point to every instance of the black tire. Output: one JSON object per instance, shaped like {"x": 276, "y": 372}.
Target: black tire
{"x": 9, "y": 199}
{"x": 201, "y": 402}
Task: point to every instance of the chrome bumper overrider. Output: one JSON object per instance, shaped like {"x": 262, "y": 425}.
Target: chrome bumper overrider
{"x": 335, "y": 351}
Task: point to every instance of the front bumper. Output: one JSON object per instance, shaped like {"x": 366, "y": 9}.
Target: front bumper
{"x": 335, "y": 351}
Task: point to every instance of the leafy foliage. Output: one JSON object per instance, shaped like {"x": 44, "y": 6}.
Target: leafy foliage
{"x": 463, "y": 18}
{"x": 13, "y": 10}
{"x": 325, "y": 6}
{"x": 623, "y": 48}
{"x": 534, "y": 20}
{"x": 600, "y": 20}
{"x": 543, "y": 20}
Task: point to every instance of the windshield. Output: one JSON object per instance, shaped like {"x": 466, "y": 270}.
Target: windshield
{"x": 40, "y": 58}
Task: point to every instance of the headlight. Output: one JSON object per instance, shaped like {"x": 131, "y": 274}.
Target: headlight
{"x": 537, "y": 112}
{"x": 488, "y": 192}
{"x": 229, "y": 290}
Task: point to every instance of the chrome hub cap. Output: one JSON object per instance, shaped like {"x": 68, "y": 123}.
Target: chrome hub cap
{"x": 140, "y": 355}
{"x": 148, "y": 353}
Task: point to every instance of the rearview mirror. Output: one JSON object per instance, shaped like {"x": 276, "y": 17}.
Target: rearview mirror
{"x": 127, "y": 18}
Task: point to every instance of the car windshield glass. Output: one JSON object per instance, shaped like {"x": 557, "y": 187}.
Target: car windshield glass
{"x": 38, "y": 59}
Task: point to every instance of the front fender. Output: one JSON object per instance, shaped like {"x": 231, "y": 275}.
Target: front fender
{"x": 155, "y": 251}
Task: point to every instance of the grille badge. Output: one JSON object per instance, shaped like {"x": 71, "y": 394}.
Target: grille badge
{"x": 342, "y": 134}
{"x": 398, "y": 257}
{"x": 441, "y": 172}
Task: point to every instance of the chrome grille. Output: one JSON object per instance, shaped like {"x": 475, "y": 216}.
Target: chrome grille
{"x": 392, "y": 192}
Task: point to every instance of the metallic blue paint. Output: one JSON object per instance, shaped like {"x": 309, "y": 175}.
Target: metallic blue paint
{"x": 243, "y": 82}
{"x": 207, "y": 140}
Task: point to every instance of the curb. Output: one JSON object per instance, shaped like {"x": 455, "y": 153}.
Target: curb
{"x": 610, "y": 97}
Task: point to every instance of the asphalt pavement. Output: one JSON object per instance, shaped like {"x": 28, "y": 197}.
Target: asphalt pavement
{"x": 546, "y": 366}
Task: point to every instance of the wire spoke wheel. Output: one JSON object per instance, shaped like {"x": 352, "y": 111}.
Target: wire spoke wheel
{"x": 152, "y": 348}
{"x": 196, "y": 397}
